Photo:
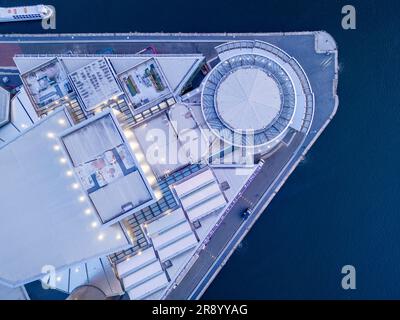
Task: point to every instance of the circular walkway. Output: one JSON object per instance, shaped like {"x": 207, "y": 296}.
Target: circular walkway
{"x": 248, "y": 100}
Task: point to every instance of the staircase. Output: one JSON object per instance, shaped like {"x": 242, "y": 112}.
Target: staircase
{"x": 76, "y": 111}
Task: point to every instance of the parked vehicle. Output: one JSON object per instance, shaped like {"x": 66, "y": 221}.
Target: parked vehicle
{"x": 246, "y": 214}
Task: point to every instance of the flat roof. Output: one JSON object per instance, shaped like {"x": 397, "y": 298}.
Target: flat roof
{"x": 27, "y": 63}
{"x": 161, "y": 155}
{"x": 144, "y": 83}
{"x": 200, "y": 195}
{"x": 106, "y": 167}
{"x": 21, "y": 116}
{"x": 45, "y": 215}
{"x": 7, "y": 293}
{"x": 178, "y": 69}
{"x": 47, "y": 83}
{"x": 171, "y": 235}
{"x": 95, "y": 83}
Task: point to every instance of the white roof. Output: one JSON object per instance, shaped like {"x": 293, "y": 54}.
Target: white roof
{"x": 7, "y": 293}
{"x": 136, "y": 262}
{"x": 149, "y": 287}
{"x": 200, "y": 195}
{"x": 42, "y": 216}
{"x": 7, "y": 133}
{"x": 138, "y": 277}
{"x": 142, "y": 274}
{"x": 97, "y": 272}
{"x": 171, "y": 235}
{"x": 27, "y": 63}
{"x": 189, "y": 186}
{"x": 160, "y": 165}
{"x": 166, "y": 222}
{"x": 176, "y": 69}
{"x": 107, "y": 168}
{"x": 23, "y": 113}
{"x": 121, "y": 64}
{"x": 248, "y": 99}
{"x": 181, "y": 118}
{"x": 72, "y": 63}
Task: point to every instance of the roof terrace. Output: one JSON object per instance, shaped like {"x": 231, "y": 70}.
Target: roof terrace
{"x": 47, "y": 84}
{"x": 106, "y": 168}
{"x": 144, "y": 83}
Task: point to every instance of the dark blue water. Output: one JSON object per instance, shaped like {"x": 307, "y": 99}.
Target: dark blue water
{"x": 341, "y": 206}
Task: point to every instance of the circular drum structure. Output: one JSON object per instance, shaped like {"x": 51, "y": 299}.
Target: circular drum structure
{"x": 248, "y": 99}
{"x": 251, "y": 98}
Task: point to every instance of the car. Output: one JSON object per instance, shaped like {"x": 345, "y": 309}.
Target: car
{"x": 246, "y": 214}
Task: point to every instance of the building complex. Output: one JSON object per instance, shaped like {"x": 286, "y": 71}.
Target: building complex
{"x": 121, "y": 171}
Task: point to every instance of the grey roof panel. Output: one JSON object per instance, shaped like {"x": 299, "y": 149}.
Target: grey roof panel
{"x": 4, "y": 107}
